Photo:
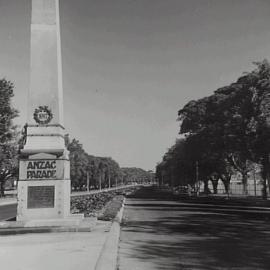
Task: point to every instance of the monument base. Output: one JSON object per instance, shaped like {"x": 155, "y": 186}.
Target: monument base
{"x": 44, "y": 188}
{"x": 43, "y": 199}
{"x": 74, "y": 223}
{"x": 72, "y": 220}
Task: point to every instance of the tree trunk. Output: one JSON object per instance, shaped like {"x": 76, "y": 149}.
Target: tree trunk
{"x": 2, "y": 189}
{"x": 226, "y": 186}
{"x": 242, "y": 169}
{"x": 264, "y": 189}
{"x": 267, "y": 178}
{"x": 2, "y": 185}
{"x": 265, "y": 175}
{"x": 99, "y": 182}
{"x": 206, "y": 187}
{"x": 267, "y": 183}
{"x": 215, "y": 185}
{"x": 244, "y": 181}
{"x": 226, "y": 179}
{"x": 87, "y": 182}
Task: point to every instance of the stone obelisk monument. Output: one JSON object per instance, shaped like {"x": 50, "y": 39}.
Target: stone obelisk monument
{"x": 44, "y": 178}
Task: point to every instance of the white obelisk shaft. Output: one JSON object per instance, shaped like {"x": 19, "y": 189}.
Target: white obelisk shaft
{"x": 45, "y": 79}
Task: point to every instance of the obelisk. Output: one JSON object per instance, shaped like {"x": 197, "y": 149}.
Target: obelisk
{"x": 45, "y": 99}
{"x": 44, "y": 177}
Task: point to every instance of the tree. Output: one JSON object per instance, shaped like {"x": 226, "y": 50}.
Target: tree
{"x": 260, "y": 78}
{"x": 78, "y": 165}
{"x": 225, "y": 132}
{"x": 101, "y": 171}
{"x": 8, "y": 147}
{"x": 8, "y": 164}
{"x": 236, "y": 119}
{"x": 133, "y": 175}
{"x": 224, "y": 118}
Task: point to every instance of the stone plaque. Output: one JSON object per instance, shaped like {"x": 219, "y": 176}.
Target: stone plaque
{"x": 50, "y": 169}
{"x": 40, "y": 197}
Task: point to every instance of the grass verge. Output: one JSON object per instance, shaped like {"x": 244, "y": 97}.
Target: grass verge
{"x": 111, "y": 209}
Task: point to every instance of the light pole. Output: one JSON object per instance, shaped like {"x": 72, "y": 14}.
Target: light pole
{"x": 88, "y": 182}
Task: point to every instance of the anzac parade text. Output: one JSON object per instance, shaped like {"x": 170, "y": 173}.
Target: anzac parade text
{"x": 41, "y": 169}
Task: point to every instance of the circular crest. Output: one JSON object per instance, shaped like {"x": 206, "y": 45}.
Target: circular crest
{"x": 43, "y": 115}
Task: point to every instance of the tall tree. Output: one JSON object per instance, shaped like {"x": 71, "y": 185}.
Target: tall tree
{"x": 236, "y": 119}
{"x": 78, "y": 165}
{"x": 8, "y": 147}
{"x": 223, "y": 119}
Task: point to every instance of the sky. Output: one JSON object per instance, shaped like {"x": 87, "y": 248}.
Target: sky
{"x": 130, "y": 65}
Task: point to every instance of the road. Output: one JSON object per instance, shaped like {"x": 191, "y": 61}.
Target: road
{"x": 161, "y": 234}
{"x": 8, "y": 211}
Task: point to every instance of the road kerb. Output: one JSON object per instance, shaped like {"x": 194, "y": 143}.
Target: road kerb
{"x": 108, "y": 256}
{"x": 8, "y": 201}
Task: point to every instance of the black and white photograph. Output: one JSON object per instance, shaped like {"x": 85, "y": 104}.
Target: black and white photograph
{"x": 134, "y": 134}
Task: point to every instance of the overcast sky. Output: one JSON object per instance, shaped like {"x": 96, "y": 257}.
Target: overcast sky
{"x": 130, "y": 65}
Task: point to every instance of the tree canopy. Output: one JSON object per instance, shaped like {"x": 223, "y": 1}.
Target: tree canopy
{"x": 8, "y": 145}
{"x": 92, "y": 172}
{"x": 226, "y": 131}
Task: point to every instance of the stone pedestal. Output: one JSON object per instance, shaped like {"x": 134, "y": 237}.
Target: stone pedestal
{"x": 44, "y": 188}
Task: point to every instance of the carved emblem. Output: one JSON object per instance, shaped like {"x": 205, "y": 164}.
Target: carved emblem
{"x": 43, "y": 115}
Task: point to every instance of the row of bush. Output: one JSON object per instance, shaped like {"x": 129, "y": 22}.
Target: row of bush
{"x": 104, "y": 204}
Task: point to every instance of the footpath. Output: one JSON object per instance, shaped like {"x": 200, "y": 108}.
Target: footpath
{"x": 55, "y": 251}
{"x": 95, "y": 250}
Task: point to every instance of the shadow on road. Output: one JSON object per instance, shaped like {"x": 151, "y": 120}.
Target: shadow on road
{"x": 172, "y": 236}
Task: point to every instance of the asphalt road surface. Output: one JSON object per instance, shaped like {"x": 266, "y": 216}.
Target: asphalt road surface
{"x": 8, "y": 211}
{"x": 158, "y": 233}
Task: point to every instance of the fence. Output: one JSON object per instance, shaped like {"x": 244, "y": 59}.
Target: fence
{"x": 236, "y": 188}
{"x": 13, "y": 193}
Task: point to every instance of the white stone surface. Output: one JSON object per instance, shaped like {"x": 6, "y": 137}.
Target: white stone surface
{"x": 61, "y": 207}
{"x": 45, "y": 78}
{"x": 44, "y": 139}
{"x": 63, "y": 222}
{"x": 44, "y": 12}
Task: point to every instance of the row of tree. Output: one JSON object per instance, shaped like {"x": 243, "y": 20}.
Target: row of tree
{"x": 138, "y": 176}
{"x": 224, "y": 133}
{"x": 91, "y": 172}
{"x": 87, "y": 171}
